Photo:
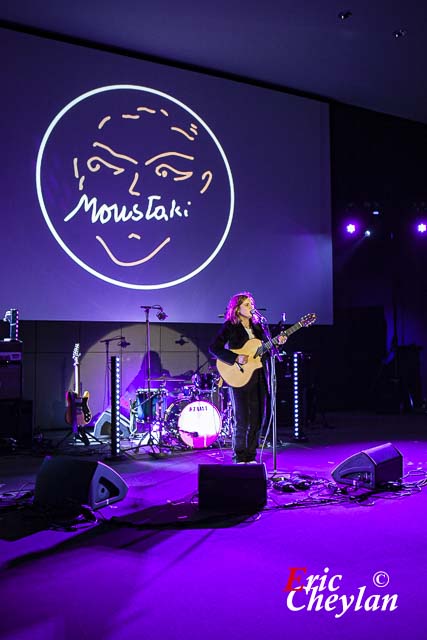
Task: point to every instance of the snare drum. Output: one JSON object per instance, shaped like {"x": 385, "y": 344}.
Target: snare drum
{"x": 198, "y": 423}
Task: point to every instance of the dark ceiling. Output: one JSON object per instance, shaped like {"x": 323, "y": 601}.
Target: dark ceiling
{"x": 301, "y": 45}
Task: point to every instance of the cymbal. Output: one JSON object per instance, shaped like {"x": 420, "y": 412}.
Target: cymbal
{"x": 169, "y": 379}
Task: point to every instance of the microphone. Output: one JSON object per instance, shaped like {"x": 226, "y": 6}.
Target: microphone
{"x": 160, "y": 313}
{"x": 123, "y": 343}
{"x": 257, "y": 314}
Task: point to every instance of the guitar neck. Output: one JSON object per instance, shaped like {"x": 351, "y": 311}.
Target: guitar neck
{"x": 77, "y": 378}
{"x": 266, "y": 346}
{"x": 289, "y": 332}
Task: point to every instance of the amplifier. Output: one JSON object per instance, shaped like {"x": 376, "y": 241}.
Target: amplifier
{"x": 10, "y": 380}
{"x": 10, "y": 356}
{"x": 16, "y": 421}
{"x": 10, "y": 350}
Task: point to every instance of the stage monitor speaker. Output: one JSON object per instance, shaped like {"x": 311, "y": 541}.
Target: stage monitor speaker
{"x": 239, "y": 488}
{"x": 371, "y": 468}
{"x": 66, "y": 482}
{"x": 103, "y": 425}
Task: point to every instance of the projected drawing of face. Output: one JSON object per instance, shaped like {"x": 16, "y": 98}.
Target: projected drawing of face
{"x": 135, "y": 187}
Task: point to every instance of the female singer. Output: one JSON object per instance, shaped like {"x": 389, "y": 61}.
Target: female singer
{"x": 241, "y": 324}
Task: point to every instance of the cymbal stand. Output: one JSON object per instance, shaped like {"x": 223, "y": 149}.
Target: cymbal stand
{"x": 156, "y": 447}
{"x": 227, "y": 411}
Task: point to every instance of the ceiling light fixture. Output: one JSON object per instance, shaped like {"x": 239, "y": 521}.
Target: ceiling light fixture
{"x": 343, "y": 15}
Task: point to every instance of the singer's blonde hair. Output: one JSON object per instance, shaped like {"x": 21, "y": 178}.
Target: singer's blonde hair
{"x": 233, "y": 307}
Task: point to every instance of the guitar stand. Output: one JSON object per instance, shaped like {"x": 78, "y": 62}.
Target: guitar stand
{"x": 79, "y": 434}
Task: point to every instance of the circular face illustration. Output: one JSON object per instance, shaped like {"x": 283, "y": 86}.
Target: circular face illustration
{"x": 135, "y": 187}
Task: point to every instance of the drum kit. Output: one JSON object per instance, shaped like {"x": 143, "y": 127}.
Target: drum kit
{"x": 191, "y": 416}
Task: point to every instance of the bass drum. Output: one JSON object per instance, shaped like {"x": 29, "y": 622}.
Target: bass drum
{"x": 198, "y": 423}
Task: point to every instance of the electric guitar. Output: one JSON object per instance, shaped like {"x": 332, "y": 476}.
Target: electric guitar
{"x": 77, "y": 413}
{"x": 237, "y": 375}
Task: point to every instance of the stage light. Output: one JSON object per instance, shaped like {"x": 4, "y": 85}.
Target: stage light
{"x": 351, "y": 228}
{"x": 375, "y": 212}
{"x": 344, "y": 15}
{"x": 422, "y": 227}
{"x": 296, "y": 395}
{"x": 161, "y": 315}
{"x": 368, "y": 233}
{"x": 400, "y": 33}
{"x": 115, "y": 406}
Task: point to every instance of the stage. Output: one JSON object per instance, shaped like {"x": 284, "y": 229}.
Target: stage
{"x": 153, "y": 565}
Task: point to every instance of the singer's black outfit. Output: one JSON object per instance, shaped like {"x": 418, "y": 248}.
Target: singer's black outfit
{"x": 250, "y": 400}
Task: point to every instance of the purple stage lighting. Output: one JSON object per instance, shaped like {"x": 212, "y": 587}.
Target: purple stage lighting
{"x": 351, "y": 228}
{"x": 422, "y": 227}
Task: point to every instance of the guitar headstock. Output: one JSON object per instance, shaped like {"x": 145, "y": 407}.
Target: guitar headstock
{"x": 308, "y": 319}
{"x": 76, "y": 353}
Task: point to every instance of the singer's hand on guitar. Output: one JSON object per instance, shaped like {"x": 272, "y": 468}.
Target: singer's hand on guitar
{"x": 241, "y": 359}
{"x": 281, "y": 339}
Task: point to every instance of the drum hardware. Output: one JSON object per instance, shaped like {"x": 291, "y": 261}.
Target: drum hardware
{"x": 152, "y": 432}
{"x": 206, "y": 382}
{"x": 149, "y": 405}
{"x": 168, "y": 379}
{"x": 227, "y": 413}
{"x": 191, "y": 420}
{"x": 187, "y": 392}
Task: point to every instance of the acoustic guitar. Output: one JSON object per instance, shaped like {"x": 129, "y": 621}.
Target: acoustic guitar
{"x": 237, "y": 375}
{"x": 77, "y": 412}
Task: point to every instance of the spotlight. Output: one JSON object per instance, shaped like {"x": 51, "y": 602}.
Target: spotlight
{"x": 161, "y": 314}
{"x": 422, "y": 227}
{"x": 400, "y": 33}
{"x": 344, "y": 15}
{"x": 368, "y": 233}
{"x": 351, "y": 228}
{"x": 375, "y": 212}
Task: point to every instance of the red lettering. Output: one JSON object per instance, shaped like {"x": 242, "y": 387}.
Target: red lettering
{"x": 293, "y": 577}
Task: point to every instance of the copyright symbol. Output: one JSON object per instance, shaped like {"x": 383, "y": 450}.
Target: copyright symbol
{"x": 381, "y": 579}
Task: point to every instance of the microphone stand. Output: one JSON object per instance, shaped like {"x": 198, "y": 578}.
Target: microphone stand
{"x": 274, "y": 353}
